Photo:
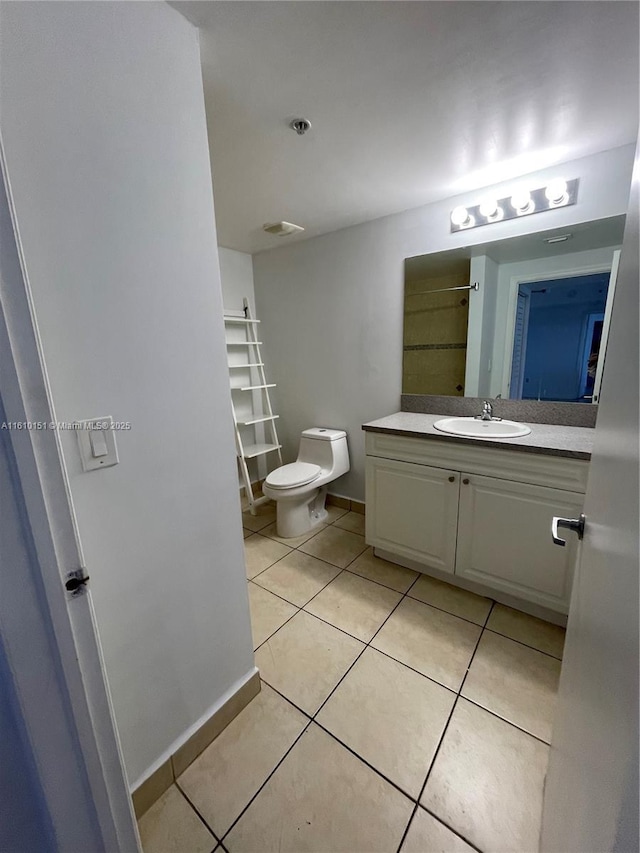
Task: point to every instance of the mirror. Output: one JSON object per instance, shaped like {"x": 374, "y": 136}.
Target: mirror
{"x": 524, "y": 318}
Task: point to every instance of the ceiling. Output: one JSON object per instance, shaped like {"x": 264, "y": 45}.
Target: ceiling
{"x": 410, "y": 102}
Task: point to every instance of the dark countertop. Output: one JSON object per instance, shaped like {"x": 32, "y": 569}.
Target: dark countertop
{"x": 545, "y": 439}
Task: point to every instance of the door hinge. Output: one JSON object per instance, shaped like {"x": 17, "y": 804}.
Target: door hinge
{"x": 75, "y": 582}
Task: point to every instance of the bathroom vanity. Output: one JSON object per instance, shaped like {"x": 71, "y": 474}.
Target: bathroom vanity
{"x": 475, "y": 512}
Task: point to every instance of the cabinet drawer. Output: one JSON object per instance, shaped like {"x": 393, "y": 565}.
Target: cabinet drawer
{"x": 412, "y": 510}
{"x": 504, "y": 539}
{"x": 557, "y": 472}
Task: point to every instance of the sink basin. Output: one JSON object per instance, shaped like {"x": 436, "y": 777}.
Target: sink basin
{"x": 481, "y": 429}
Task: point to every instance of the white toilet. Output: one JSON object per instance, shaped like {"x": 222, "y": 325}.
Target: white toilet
{"x": 300, "y": 488}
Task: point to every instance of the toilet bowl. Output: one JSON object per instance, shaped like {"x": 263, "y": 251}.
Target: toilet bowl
{"x": 300, "y": 488}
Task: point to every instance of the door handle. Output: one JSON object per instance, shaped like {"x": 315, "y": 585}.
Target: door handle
{"x": 576, "y": 524}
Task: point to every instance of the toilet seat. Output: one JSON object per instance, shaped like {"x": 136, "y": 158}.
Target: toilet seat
{"x": 294, "y": 474}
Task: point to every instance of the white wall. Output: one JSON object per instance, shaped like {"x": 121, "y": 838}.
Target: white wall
{"x": 103, "y": 124}
{"x": 332, "y": 306}
{"x": 236, "y": 277}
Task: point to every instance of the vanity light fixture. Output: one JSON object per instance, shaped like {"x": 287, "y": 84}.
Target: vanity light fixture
{"x": 556, "y": 193}
{"x": 461, "y": 218}
{"x": 491, "y": 210}
{"x": 522, "y": 202}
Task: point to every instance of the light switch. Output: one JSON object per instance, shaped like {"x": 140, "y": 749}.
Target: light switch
{"x": 97, "y": 443}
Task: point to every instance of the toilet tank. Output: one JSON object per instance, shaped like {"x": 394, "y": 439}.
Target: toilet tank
{"x": 325, "y": 447}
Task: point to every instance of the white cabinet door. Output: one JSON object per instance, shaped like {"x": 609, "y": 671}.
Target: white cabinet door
{"x": 412, "y": 510}
{"x": 504, "y": 539}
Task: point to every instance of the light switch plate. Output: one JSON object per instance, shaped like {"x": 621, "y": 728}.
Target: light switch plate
{"x": 105, "y": 440}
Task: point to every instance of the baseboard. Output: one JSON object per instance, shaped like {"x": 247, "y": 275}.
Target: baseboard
{"x": 346, "y": 503}
{"x": 332, "y": 500}
{"x": 256, "y": 488}
{"x": 161, "y": 779}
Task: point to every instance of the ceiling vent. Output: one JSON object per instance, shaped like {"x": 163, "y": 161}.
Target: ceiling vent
{"x": 282, "y": 229}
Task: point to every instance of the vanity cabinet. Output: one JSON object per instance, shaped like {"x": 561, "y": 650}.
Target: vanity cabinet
{"x": 504, "y": 539}
{"x": 474, "y": 515}
{"x": 413, "y": 510}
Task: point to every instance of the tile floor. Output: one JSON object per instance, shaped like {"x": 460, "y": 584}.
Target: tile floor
{"x": 397, "y": 713}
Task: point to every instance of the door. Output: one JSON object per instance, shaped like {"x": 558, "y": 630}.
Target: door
{"x": 591, "y": 792}
{"x": 519, "y": 345}
{"x": 49, "y": 650}
{"x": 412, "y": 510}
{"x": 606, "y": 326}
{"x": 502, "y": 539}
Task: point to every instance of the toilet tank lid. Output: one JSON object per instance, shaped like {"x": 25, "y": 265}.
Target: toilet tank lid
{"x": 324, "y": 433}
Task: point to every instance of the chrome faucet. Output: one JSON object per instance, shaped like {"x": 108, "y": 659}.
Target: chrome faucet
{"x": 487, "y": 411}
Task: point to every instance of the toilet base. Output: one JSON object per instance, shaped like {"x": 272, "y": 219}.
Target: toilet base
{"x": 301, "y": 515}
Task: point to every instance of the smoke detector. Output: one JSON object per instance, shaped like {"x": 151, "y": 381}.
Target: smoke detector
{"x": 282, "y": 229}
{"x": 300, "y": 125}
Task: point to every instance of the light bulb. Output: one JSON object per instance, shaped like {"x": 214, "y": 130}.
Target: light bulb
{"x": 460, "y": 216}
{"x": 489, "y": 208}
{"x": 556, "y": 191}
{"x": 521, "y": 201}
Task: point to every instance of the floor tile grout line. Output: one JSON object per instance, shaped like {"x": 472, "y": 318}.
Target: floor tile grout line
{"x": 288, "y": 601}
{"x": 405, "y": 593}
{"x": 281, "y": 540}
{"x": 443, "y": 610}
{"x": 371, "y": 580}
{"x": 331, "y": 625}
{"x": 505, "y": 720}
{"x": 413, "y": 669}
{"x": 521, "y": 643}
{"x": 197, "y": 811}
{"x": 458, "y": 694}
{"x": 446, "y": 727}
{"x": 286, "y": 699}
{"x": 346, "y": 569}
{"x": 293, "y": 615}
{"x": 251, "y": 800}
{"x": 322, "y": 560}
{"x": 340, "y": 571}
{"x": 451, "y": 829}
{"x": 313, "y": 719}
{"x": 365, "y": 761}
{"x": 483, "y": 628}
{"x": 429, "y": 769}
{"x": 366, "y": 646}
{"x": 301, "y": 609}
{"x": 266, "y": 569}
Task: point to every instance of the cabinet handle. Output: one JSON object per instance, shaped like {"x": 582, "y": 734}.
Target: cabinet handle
{"x": 465, "y": 482}
{"x": 452, "y": 479}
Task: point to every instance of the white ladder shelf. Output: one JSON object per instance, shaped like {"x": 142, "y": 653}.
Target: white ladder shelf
{"x": 261, "y": 413}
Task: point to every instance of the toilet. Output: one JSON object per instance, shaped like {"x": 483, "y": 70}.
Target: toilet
{"x": 300, "y": 488}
